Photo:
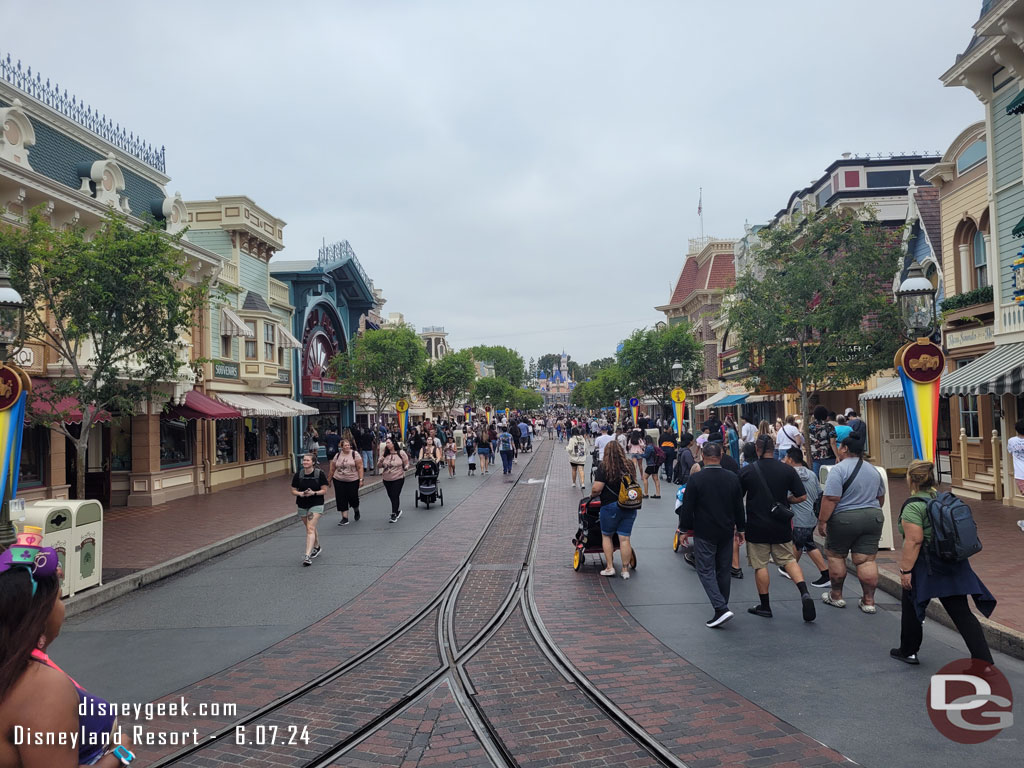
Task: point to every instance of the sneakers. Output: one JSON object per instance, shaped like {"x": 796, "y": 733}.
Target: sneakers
{"x": 719, "y": 619}
{"x": 625, "y": 574}
{"x": 782, "y": 571}
{"x": 910, "y": 658}
{"x": 737, "y": 573}
{"x": 867, "y": 608}
{"x": 356, "y": 511}
{"x": 808, "y": 603}
{"x": 344, "y": 521}
{"x": 307, "y": 560}
{"x": 826, "y": 597}
{"x": 688, "y": 557}
{"x": 760, "y": 610}
{"x": 315, "y": 552}
{"x": 608, "y": 572}
{"x": 394, "y": 517}
{"x": 821, "y": 581}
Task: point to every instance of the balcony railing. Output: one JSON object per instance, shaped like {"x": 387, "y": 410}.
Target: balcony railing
{"x": 230, "y": 273}
{"x": 279, "y": 293}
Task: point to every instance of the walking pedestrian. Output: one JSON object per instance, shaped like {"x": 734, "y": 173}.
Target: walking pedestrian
{"x": 923, "y": 577}
{"x": 470, "y": 443}
{"x": 1015, "y": 447}
{"x": 577, "y": 450}
{"x": 449, "y": 455}
{"x": 789, "y": 435}
{"x": 608, "y": 478}
{"x": 823, "y": 441}
{"x": 651, "y": 460}
{"x": 365, "y": 441}
{"x": 732, "y": 438}
{"x": 856, "y": 423}
{"x": 309, "y": 487}
{"x": 668, "y": 447}
{"x": 851, "y": 520}
{"x": 394, "y": 463}
{"x": 635, "y": 451}
{"x": 713, "y": 510}
{"x": 768, "y": 483}
{"x": 748, "y": 431}
{"x": 331, "y": 441}
{"x": 347, "y": 474}
{"x": 804, "y": 520}
{"x": 507, "y": 450}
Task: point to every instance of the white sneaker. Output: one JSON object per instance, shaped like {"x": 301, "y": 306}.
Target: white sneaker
{"x": 608, "y": 572}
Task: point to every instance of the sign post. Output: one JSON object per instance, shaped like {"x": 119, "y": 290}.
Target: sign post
{"x": 920, "y": 365}
{"x": 634, "y": 410}
{"x": 618, "y": 413}
{"x": 679, "y": 405}
{"x": 402, "y": 406}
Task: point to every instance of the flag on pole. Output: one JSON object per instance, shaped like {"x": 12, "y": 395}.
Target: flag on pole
{"x": 700, "y": 203}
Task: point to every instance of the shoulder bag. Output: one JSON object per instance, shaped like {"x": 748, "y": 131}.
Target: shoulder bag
{"x": 779, "y": 510}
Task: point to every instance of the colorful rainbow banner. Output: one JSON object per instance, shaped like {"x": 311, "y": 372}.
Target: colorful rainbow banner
{"x": 402, "y": 408}
{"x": 679, "y": 406}
{"x": 634, "y": 410}
{"x": 12, "y": 427}
{"x": 920, "y": 368}
{"x": 469, "y": 413}
{"x": 618, "y": 413}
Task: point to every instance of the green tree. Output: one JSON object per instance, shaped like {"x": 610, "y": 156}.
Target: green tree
{"x": 600, "y": 391}
{"x": 508, "y": 364}
{"x": 527, "y": 400}
{"x": 552, "y": 362}
{"x": 590, "y": 370}
{"x": 380, "y": 367}
{"x": 113, "y": 308}
{"x": 498, "y": 390}
{"x": 649, "y": 355}
{"x": 446, "y": 382}
{"x": 815, "y": 311}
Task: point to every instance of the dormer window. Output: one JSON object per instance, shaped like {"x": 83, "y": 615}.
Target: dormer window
{"x": 16, "y": 135}
{"x": 104, "y": 181}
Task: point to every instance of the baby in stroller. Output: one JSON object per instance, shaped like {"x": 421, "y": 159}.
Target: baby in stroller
{"x": 427, "y": 488}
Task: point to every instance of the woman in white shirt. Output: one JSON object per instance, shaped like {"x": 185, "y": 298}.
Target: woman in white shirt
{"x": 789, "y": 436}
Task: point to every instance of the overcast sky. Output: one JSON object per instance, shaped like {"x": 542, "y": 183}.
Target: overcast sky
{"x": 522, "y": 173}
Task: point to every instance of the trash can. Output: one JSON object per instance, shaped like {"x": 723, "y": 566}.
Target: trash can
{"x": 56, "y": 521}
{"x": 887, "y": 541}
{"x": 86, "y": 539}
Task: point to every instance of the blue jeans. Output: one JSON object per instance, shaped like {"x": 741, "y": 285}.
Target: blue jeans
{"x": 823, "y": 463}
{"x": 367, "y": 459}
{"x": 506, "y": 461}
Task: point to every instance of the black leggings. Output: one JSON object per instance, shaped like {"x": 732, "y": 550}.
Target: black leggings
{"x": 394, "y": 489}
{"x": 347, "y": 494}
{"x": 967, "y": 625}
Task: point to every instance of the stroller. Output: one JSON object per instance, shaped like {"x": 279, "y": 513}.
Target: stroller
{"x": 427, "y": 489}
{"x": 588, "y": 538}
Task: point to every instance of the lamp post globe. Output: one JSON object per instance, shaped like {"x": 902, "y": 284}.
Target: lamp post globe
{"x": 916, "y": 295}
{"x": 677, "y": 372}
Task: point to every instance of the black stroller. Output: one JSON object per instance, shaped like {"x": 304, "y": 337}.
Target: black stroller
{"x": 588, "y": 537}
{"x": 427, "y": 488}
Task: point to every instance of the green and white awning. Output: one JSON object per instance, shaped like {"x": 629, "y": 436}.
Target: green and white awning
{"x": 999, "y": 372}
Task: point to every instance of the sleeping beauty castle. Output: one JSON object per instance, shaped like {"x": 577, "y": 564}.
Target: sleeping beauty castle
{"x": 556, "y": 385}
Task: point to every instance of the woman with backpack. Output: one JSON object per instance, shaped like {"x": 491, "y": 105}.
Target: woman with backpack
{"x": 653, "y": 458}
{"x": 615, "y": 470}
{"x": 577, "y": 450}
{"x": 507, "y": 450}
{"x": 925, "y": 576}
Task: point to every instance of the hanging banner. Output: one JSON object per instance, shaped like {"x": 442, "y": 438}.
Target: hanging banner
{"x": 679, "y": 406}
{"x": 487, "y": 413}
{"x": 618, "y": 412}
{"x": 469, "y": 412}
{"x": 634, "y": 410}
{"x": 920, "y": 366}
{"x": 402, "y": 406}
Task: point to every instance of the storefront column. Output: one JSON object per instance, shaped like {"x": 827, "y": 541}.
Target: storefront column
{"x": 57, "y": 460}
{"x": 145, "y": 461}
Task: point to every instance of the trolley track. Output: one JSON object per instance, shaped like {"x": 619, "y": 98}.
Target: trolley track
{"x": 481, "y": 626}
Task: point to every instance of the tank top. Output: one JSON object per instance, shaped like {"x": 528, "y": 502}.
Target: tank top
{"x": 93, "y": 728}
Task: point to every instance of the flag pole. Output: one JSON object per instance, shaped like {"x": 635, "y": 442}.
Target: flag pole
{"x": 700, "y": 212}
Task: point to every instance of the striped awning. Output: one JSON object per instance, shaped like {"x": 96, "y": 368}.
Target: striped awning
{"x": 285, "y": 406}
{"x": 287, "y": 340}
{"x": 998, "y": 372}
{"x": 1016, "y": 106}
{"x": 711, "y": 401}
{"x": 232, "y": 325}
{"x": 888, "y": 391}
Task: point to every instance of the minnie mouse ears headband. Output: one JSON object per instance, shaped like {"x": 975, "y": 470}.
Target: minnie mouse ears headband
{"x": 26, "y": 553}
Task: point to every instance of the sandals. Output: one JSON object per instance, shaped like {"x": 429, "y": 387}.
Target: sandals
{"x": 826, "y": 597}
{"x": 867, "y": 608}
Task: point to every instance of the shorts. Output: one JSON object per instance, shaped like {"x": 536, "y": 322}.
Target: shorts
{"x": 651, "y": 470}
{"x": 803, "y": 539}
{"x": 758, "y": 554}
{"x": 854, "y": 530}
{"x": 485, "y": 452}
{"x": 304, "y": 513}
{"x": 615, "y": 520}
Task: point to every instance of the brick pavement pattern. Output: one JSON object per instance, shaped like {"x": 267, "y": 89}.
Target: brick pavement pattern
{"x": 432, "y": 731}
{"x": 700, "y": 720}
{"x": 396, "y": 596}
{"x": 542, "y": 719}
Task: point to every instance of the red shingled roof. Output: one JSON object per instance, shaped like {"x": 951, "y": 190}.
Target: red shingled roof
{"x": 687, "y": 281}
{"x": 723, "y": 272}
{"x": 716, "y": 272}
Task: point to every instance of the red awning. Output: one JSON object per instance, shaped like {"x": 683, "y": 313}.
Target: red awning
{"x": 199, "y": 406}
{"x": 70, "y": 406}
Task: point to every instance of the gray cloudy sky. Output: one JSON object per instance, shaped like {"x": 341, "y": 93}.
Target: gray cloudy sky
{"x": 523, "y": 173}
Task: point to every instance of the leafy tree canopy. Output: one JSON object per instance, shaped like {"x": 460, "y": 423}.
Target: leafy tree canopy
{"x": 649, "y": 355}
{"x": 508, "y": 364}
{"x": 445, "y": 383}
{"x": 380, "y": 367}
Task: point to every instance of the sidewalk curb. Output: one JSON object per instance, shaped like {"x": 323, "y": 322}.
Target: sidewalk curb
{"x": 93, "y": 598}
{"x": 1000, "y": 638}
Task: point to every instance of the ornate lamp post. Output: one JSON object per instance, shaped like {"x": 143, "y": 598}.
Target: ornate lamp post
{"x": 678, "y": 398}
{"x": 920, "y": 362}
{"x": 14, "y": 386}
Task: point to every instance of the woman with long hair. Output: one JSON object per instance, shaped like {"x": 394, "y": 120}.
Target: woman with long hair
{"x": 636, "y": 447}
{"x": 347, "y": 474}
{"x": 35, "y": 694}
{"x": 614, "y": 520}
{"x": 394, "y": 462}
{"x": 925, "y": 577}
{"x": 483, "y": 449}
{"x": 764, "y": 429}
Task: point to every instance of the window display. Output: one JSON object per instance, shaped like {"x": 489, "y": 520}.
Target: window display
{"x": 176, "y": 443}
{"x": 121, "y": 444}
{"x": 252, "y": 439}
{"x": 227, "y": 441}
{"x": 275, "y": 436}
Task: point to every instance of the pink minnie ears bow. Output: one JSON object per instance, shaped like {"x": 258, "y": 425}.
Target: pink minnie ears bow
{"x": 38, "y": 561}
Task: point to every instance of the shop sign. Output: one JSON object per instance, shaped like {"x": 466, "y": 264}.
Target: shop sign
{"x": 968, "y": 337}
{"x": 330, "y": 387}
{"x": 222, "y": 370}
{"x": 732, "y": 364}
{"x": 284, "y": 376}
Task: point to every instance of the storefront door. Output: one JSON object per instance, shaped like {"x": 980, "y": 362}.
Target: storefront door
{"x": 897, "y": 449}
{"x": 97, "y": 465}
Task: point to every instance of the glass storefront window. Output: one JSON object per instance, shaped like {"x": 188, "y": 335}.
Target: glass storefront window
{"x": 33, "y": 449}
{"x": 252, "y": 438}
{"x": 227, "y": 441}
{"x": 276, "y": 432}
{"x": 250, "y": 343}
{"x": 268, "y": 342}
{"x": 121, "y": 444}
{"x": 176, "y": 442}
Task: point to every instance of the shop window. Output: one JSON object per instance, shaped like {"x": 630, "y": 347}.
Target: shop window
{"x": 176, "y": 442}
{"x": 251, "y": 429}
{"x": 227, "y": 441}
{"x": 276, "y": 433}
{"x": 980, "y": 261}
{"x": 33, "y": 453}
{"x": 280, "y": 356}
{"x": 969, "y": 409}
{"x": 268, "y": 342}
{"x": 225, "y": 347}
{"x": 121, "y": 444}
{"x": 250, "y": 344}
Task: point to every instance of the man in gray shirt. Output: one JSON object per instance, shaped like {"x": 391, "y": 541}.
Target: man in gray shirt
{"x": 851, "y": 520}
{"x": 804, "y": 520}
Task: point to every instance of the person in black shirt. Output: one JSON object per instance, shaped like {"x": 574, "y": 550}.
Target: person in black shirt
{"x": 331, "y": 442}
{"x": 767, "y": 482}
{"x": 713, "y": 509}
{"x": 309, "y": 487}
{"x": 729, "y": 463}
{"x": 712, "y": 424}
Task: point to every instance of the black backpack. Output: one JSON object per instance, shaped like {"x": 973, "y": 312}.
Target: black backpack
{"x": 954, "y": 532}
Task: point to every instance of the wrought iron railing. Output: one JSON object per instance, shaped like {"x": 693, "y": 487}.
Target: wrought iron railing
{"x": 340, "y": 252}
{"x": 74, "y": 109}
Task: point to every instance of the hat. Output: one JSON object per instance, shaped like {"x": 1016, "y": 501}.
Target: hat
{"x": 848, "y": 411}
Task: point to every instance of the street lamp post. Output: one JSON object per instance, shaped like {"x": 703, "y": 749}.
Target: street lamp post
{"x": 917, "y": 304}
{"x": 677, "y": 381}
{"x": 617, "y": 409}
{"x": 13, "y": 384}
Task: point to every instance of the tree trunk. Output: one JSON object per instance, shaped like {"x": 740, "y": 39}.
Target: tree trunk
{"x": 81, "y": 446}
{"x": 805, "y": 415}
